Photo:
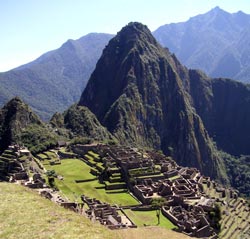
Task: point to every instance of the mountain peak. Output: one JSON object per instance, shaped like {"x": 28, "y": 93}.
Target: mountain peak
{"x": 135, "y": 26}
{"x": 17, "y": 106}
{"x": 121, "y": 59}
{"x": 135, "y": 31}
{"x": 214, "y": 15}
{"x": 16, "y": 100}
{"x": 216, "y": 9}
{"x": 137, "y": 93}
{"x": 15, "y": 116}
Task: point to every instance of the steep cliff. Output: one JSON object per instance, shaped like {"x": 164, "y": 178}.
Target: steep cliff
{"x": 137, "y": 91}
{"x": 224, "y": 106}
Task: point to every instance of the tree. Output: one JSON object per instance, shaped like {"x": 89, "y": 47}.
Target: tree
{"x": 51, "y": 174}
{"x": 215, "y": 217}
{"x": 157, "y": 203}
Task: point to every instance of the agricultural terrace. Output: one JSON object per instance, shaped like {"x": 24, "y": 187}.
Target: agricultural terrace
{"x": 75, "y": 169}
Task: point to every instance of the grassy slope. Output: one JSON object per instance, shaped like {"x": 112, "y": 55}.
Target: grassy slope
{"x": 24, "y": 214}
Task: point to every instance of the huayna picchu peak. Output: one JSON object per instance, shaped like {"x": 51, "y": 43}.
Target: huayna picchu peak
{"x": 137, "y": 92}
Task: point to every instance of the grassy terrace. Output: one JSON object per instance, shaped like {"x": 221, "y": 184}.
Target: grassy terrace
{"x": 51, "y": 155}
{"x": 42, "y": 156}
{"x": 95, "y": 155}
{"x": 141, "y": 218}
{"x": 75, "y": 169}
{"x": 234, "y": 223}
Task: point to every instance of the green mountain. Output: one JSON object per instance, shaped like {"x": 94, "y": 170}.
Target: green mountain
{"x": 18, "y": 124}
{"x": 82, "y": 122}
{"x": 55, "y": 80}
{"x": 215, "y": 42}
{"x": 224, "y": 106}
{"x": 137, "y": 91}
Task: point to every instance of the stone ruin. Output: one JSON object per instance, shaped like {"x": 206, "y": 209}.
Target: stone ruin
{"x": 36, "y": 181}
{"x": 12, "y": 168}
{"x": 154, "y": 175}
{"x": 186, "y": 185}
{"x": 190, "y": 220}
{"x": 55, "y": 197}
{"x": 106, "y": 214}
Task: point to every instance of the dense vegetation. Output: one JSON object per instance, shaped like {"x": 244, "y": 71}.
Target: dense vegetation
{"x": 18, "y": 124}
{"x": 38, "y": 139}
{"x": 215, "y": 216}
{"x": 238, "y": 171}
{"x": 82, "y": 122}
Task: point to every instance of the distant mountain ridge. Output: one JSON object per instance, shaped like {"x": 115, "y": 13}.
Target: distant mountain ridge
{"x": 55, "y": 80}
{"x": 215, "y": 42}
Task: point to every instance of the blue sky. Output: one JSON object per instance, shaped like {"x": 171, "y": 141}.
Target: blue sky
{"x": 30, "y": 28}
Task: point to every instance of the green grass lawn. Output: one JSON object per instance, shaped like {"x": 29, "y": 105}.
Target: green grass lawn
{"x": 43, "y": 156}
{"x": 63, "y": 150}
{"x": 95, "y": 155}
{"x": 51, "y": 155}
{"x": 75, "y": 169}
{"x": 89, "y": 157}
{"x": 141, "y": 218}
{"x": 72, "y": 169}
{"x": 74, "y": 190}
